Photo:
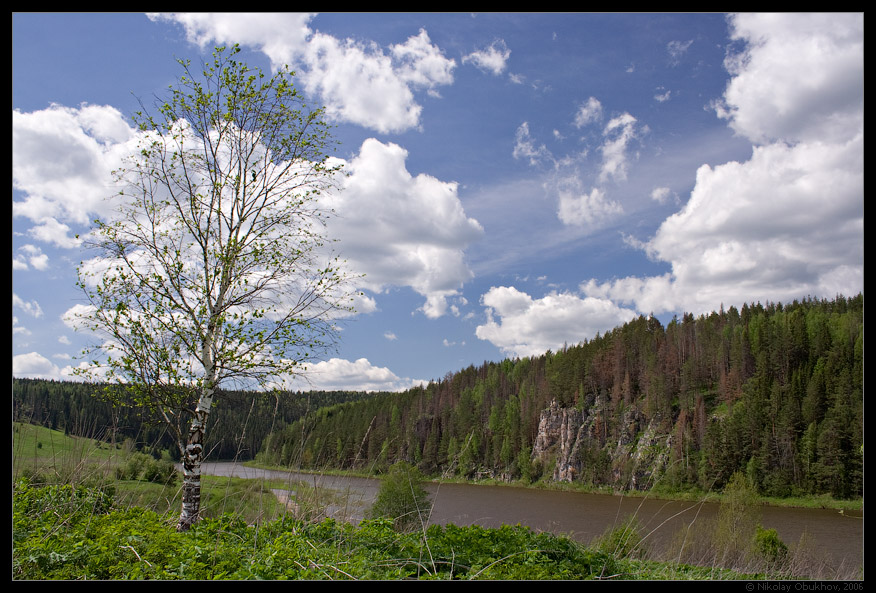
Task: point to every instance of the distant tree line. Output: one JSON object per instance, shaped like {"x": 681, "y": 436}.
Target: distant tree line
{"x": 240, "y": 423}
{"x": 774, "y": 391}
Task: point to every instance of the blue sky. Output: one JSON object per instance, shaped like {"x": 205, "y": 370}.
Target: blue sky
{"x": 517, "y": 181}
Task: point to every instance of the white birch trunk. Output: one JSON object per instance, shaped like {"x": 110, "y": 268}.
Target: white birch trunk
{"x": 193, "y": 455}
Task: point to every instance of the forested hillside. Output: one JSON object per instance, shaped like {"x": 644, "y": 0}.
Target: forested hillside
{"x": 773, "y": 390}
{"x": 239, "y": 423}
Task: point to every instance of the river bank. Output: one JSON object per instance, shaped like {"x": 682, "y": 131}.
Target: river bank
{"x": 828, "y": 536}
{"x": 852, "y": 507}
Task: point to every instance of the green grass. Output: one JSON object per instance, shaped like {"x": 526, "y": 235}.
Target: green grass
{"x": 250, "y": 499}
{"x": 62, "y": 532}
{"x": 58, "y": 457}
{"x": 49, "y": 456}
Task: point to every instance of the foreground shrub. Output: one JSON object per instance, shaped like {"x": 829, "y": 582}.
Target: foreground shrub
{"x": 140, "y": 466}
{"x": 512, "y": 552}
{"x": 76, "y": 533}
{"x": 402, "y": 498}
{"x": 60, "y": 532}
{"x": 769, "y": 546}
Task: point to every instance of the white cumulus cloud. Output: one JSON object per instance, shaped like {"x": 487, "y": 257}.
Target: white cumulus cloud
{"x": 402, "y": 230}
{"x": 660, "y": 194}
{"x": 579, "y": 204}
{"x": 357, "y": 81}
{"x": 280, "y": 36}
{"x": 521, "y": 325}
{"x": 525, "y": 147}
{"x": 35, "y": 366}
{"x": 62, "y": 162}
{"x": 799, "y": 78}
{"x": 346, "y": 375}
{"x": 30, "y": 256}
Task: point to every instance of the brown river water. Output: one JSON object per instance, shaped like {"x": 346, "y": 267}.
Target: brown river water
{"x": 835, "y": 538}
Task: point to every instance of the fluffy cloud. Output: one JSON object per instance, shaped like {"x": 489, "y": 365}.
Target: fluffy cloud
{"x": 663, "y": 95}
{"x": 799, "y": 78}
{"x": 18, "y": 329}
{"x": 62, "y": 163}
{"x": 30, "y": 256}
{"x": 660, "y": 194}
{"x": 402, "y": 230}
{"x": 361, "y": 84}
{"x": 358, "y": 375}
{"x": 788, "y": 222}
{"x": 357, "y": 81}
{"x": 280, "y": 36}
{"x": 36, "y": 366}
{"x": 56, "y": 233}
{"x": 579, "y": 204}
{"x": 523, "y": 326}
{"x": 32, "y": 308}
{"x": 422, "y": 64}
{"x": 493, "y": 59}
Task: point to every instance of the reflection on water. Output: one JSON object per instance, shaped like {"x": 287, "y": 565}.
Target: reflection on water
{"x": 839, "y": 537}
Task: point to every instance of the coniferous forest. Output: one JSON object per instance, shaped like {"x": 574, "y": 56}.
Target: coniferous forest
{"x": 774, "y": 391}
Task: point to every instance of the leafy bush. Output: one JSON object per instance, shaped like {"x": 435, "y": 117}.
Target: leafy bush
{"x": 402, "y": 498}
{"x": 769, "y": 546}
{"x": 160, "y": 471}
{"x": 511, "y": 552}
{"x": 140, "y": 466}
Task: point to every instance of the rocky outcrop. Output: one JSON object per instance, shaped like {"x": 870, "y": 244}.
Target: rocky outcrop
{"x": 648, "y": 457}
{"x": 556, "y": 439}
{"x": 631, "y": 450}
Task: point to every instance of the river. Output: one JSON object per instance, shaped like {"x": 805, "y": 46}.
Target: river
{"x": 835, "y": 538}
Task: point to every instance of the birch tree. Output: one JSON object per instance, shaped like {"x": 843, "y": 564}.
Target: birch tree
{"x": 215, "y": 269}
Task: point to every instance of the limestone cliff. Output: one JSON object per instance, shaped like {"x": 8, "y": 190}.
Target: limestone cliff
{"x": 624, "y": 451}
